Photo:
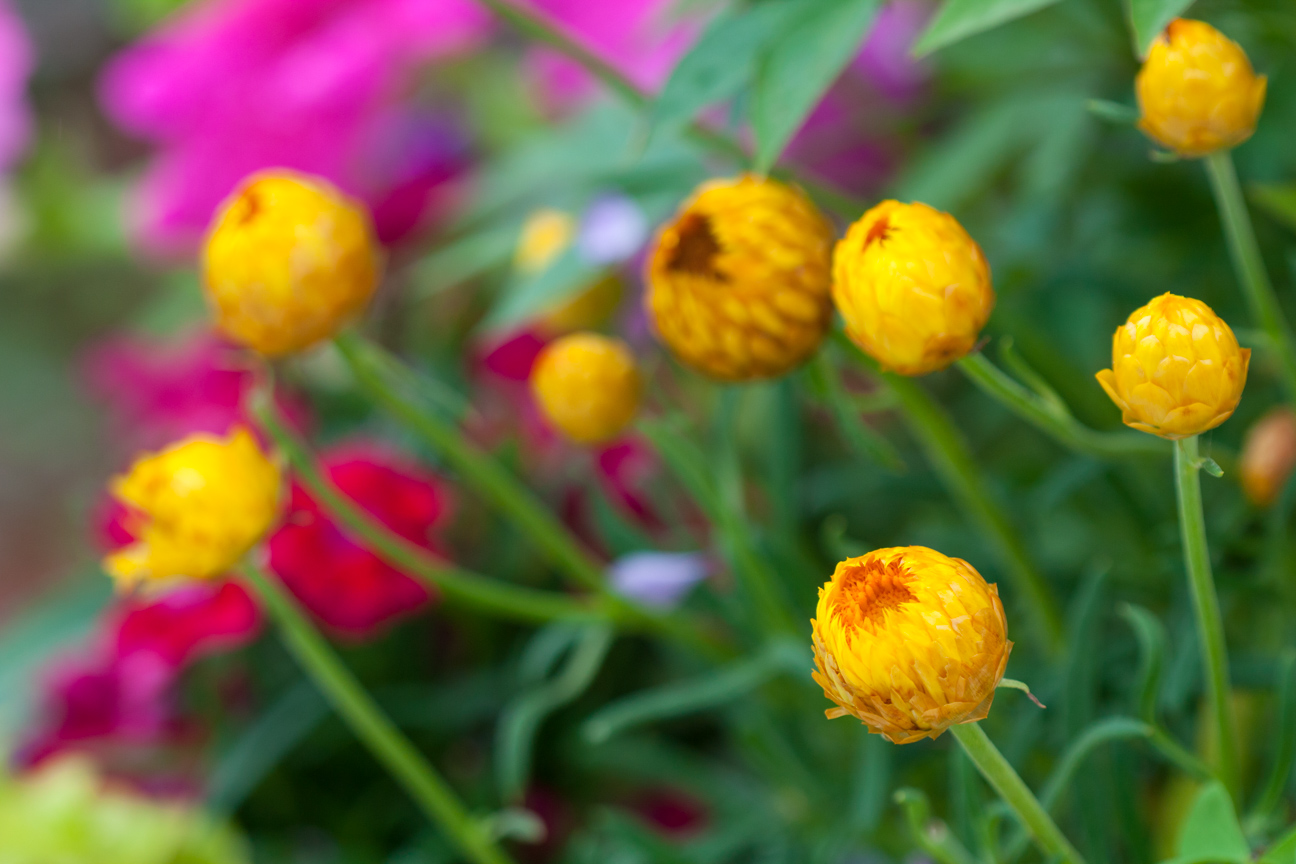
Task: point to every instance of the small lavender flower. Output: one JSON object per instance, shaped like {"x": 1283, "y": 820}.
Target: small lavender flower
{"x": 658, "y": 579}
{"x": 613, "y": 229}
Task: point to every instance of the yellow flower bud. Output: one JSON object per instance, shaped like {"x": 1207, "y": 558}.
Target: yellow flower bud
{"x": 546, "y": 234}
{"x": 196, "y": 508}
{"x": 909, "y": 641}
{"x": 1176, "y": 370}
{"x": 289, "y": 259}
{"x": 1197, "y": 91}
{"x": 587, "y": 385}
{"x": 913, "y": 287}
{"x": 738, "y": 283}
{"x": 1268, "y": 456}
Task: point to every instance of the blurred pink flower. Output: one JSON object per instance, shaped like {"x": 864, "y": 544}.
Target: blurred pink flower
{"x": 191, "y": 621}
{"x": 342, "y": 583}
{"x": 886, "y": 60}
{"x": 228, "y": 87}
{"x": 16, "y": 61}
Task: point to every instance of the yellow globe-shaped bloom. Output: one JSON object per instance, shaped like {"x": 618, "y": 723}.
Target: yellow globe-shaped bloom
{"x": 738, "y": 283}
{"x": 288, "y": 260}
{"x": 913, "y": 287}
{"x": 909, "y": 641}
{"x": 196, "y": 508}
{"x": 587, "y": 386}
{"x": 1177, "y": 369}
{"x": 1197, "y": 91}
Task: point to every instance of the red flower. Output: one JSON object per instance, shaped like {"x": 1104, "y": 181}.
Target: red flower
{"x": 192, "y": 621}
{"x": 345, "y": 585}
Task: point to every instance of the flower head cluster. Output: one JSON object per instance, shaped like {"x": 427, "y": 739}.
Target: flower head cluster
{"x": 1177, "y": 369}
{"x": 588, "y": 386}
{"x": 738, "y": 282}
{"x": 1197, "y": 91}
{"x": 913, "y": 287}
{"x": 909, "y": 641}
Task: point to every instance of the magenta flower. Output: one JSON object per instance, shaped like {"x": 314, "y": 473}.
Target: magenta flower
{"x": 228, "y": 87}
{"x": 16, "y": 61}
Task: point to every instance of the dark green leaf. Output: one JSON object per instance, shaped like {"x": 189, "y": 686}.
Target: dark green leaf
{"x": 800, "y": 68}
{"x": 1276, "y": 199}
{"x": 1149, "y": 17}
{"x": 959, "y": 19}
{"x": 1152, "y": 641}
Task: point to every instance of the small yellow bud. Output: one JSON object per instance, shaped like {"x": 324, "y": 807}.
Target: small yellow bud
{"x": 1197, "y": 91}
{"x": 587, "y": 385}
{"x": 1268, "y": 456}
{"x": 197, "y": 507}
{"x": 546, "y": 234}
{"x": 738, "y": 283}
{"x": 909, "y": 641}
{"x": 289, "y": 259}
{"x": 912, "y": 286}
{"x": 1176, "y": 370}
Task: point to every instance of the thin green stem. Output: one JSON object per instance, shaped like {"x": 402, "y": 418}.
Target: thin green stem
{"x": 1015, "y": 793}
{"x": 950, "y": 456}
{"x": 374, "y": 729}
{"x": 1250, "y": 266}
{"x": 1052, "y": 421}
{"x": 1210, "y": 624}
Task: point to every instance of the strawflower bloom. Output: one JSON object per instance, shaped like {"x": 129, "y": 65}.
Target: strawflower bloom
{"x": 1197, "y": 91}
{"x": 588, "y": 386}
{"x": 739, "y": 281}
{"x": 288, "y": 261}
{"x": 913, "y": 287}
{"x": 909, "y": 641}
{"x": 1176, "y": 370}
{"x": 1268, "y": 456}
{"x": 197, "y": 507}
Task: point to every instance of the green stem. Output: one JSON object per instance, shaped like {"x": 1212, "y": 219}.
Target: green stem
{"x": 355, "y": 706}
{"x": 1210, "y": 624}
{"x": 1249, "y": 265}
{"x": 950, "y": 456}
{"x": 1015, "y": 793}
{"x": 1057, "y": 424}
{"x": 500, "y": 598}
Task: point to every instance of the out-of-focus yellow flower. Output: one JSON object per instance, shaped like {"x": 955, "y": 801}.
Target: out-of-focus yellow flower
{"x": 196, "y": 508}
{"x": 1176, "y": 370}
{"x": 738, "y": 283}
{"x": 547, "y": 234}
{"x": 909, "y": 641}
{"x": 587, "y": 385}
{"x": 1197, "y": 91}
{"x": 913, "y": 287}
{"x": 1268, "y": 456}
{"x": 289, "y": 259}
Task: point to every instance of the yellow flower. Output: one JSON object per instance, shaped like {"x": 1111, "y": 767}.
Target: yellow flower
{"x": 912, "y": 286}
{"x": 909, "y": 641}
{"x": 1176, "y": 370}
{"x": 197, "y": 507}
{"x": 587, "y": 385}
{"x": 289, "y": 259}
{"x": 547, "y": 234}
{"x": 738, "y": 284}
{"x": 1268, "y": 456}
{"x": 1197, "y": 91}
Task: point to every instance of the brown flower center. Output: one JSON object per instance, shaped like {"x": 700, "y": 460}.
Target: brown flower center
{"x": 878, "y": 232}
{"x": 248, "y": 208}
{"x": 697, "y": 248}
{"x": 867, "y": 591}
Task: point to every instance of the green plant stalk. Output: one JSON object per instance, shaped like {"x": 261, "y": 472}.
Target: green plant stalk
{"x": 1063, "y": 428}
{"x": 355, "y": 706}
{"x": 1015, "y": 793}
{"x": 1250, "y": 266}
{"x": 953, "y": 462}
{"x": 1210, "y": 624}
{"x": 499, "y": 598}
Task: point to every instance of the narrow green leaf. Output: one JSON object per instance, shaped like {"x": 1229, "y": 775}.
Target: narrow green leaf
{"x": 464, "y": 259}
{"x": 1152, "y": 641}
{"x": 1278, "y": 200}
{"x": 799, "y": 69}
{"x": 1149, "y": 17}
{"x": 1113, "y": 112}
{"x": 1211, "y": 833}
{"x": 959, "y": 19}
{"x": 527, "y": 297}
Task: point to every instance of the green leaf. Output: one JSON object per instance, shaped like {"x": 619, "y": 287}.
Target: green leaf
{"x": 463, "y": 259}
{"x": 1211, "y": 833}
{"x": 800, "y": 68}
{"x": 1152, "y": 648}
{"x": 1278, "y": 200}
{"x": 1149, "y": 17}
{"x": 527, "y": 297}
{"x": 1283, "y": 850}
{"x": 719, "y": 64}
{"x": 959, "y": 19}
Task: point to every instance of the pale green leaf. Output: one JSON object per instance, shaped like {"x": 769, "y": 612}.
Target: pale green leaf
{"x": 1211, "y": 833}
{"x": 959, "y": 19}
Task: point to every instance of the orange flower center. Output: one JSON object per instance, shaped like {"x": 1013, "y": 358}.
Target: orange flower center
{"x": 697, "y": 248}
{"x": 878, "y": 232}
{"x": 867, "y": 591}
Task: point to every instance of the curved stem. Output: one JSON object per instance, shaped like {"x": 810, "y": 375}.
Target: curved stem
{"x": 1210, "y": 624}
{"x": 1249, "y": 265}
{"x": 949, "y": 455}
{"x": 1015, "y": 793}
{"x": 1062, "y": 427}
{"x": 374, "y": 729}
